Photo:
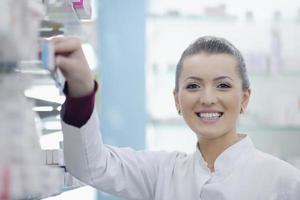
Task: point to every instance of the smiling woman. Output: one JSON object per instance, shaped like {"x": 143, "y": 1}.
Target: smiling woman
{"x": 210, "y": 84}
{"x": 211, "y": 91}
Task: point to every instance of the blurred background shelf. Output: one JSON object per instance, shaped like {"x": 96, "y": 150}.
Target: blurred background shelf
{"x": 31, "y": 102}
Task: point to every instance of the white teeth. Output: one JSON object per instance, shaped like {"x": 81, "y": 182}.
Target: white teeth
{"x": 209, "y": 115}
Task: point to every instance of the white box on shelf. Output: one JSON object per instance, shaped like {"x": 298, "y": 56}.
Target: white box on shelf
{"x": 53, "y": 157}
{"x": 58, "y": 157}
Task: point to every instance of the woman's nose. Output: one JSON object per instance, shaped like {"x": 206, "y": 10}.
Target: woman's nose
{"x": 208, "y": 97}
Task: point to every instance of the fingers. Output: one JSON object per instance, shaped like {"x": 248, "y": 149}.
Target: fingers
{"x": 64, "y": 45}
{"x": 58, "y": 39}
{"x": 63, "y": 62}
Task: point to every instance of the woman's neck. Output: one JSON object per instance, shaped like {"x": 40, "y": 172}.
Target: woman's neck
{"x": 212, "y": 148}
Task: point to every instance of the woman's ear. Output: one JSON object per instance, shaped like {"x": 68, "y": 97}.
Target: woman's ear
{"x": 176, "y": 100}
{"x": 245, "y": 98}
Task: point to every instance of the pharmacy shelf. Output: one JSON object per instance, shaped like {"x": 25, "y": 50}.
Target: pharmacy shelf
{"x": 61, "y": 17}
{"x": 64, "y": 17}
{"x": 29, "y": 170}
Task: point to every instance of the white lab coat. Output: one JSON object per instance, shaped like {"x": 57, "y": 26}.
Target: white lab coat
{"x": 241, "y": 171}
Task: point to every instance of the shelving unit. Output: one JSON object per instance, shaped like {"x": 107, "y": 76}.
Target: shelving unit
{"x": 24, "y": 163}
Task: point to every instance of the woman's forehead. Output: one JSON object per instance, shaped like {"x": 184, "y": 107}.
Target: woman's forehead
{"x": 210, "y": 65}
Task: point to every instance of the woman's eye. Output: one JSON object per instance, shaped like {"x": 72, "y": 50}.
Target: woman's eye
{"x": 192, "y": 86}
{"x": 223, "y": 86}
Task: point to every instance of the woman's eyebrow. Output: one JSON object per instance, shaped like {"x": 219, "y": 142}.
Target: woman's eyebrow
{"x": 194, "y": 77}
{"x": 215, "y": 79}
{"x": 222, "y": 77}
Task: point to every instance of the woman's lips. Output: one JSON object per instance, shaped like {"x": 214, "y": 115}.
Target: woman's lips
{"x": 209, "y": 117}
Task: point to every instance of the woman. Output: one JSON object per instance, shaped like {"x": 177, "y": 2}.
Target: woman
{"x": 211, "y": 90}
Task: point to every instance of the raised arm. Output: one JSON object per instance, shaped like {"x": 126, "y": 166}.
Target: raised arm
{"x": 120, "y": 171}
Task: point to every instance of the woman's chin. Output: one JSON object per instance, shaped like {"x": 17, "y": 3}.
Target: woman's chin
{"x": 209, "y": 135}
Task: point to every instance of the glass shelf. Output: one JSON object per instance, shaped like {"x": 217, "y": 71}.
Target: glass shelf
{"x": 62, "y": 18}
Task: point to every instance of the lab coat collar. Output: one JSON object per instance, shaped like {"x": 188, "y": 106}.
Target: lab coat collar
{"x": 232, "y": 157}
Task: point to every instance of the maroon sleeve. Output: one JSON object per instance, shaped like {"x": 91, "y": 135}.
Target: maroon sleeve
{"x": 76, "y": 111}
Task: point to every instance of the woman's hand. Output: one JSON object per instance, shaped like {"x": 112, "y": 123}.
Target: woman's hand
{"x": 69, "y": 58}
